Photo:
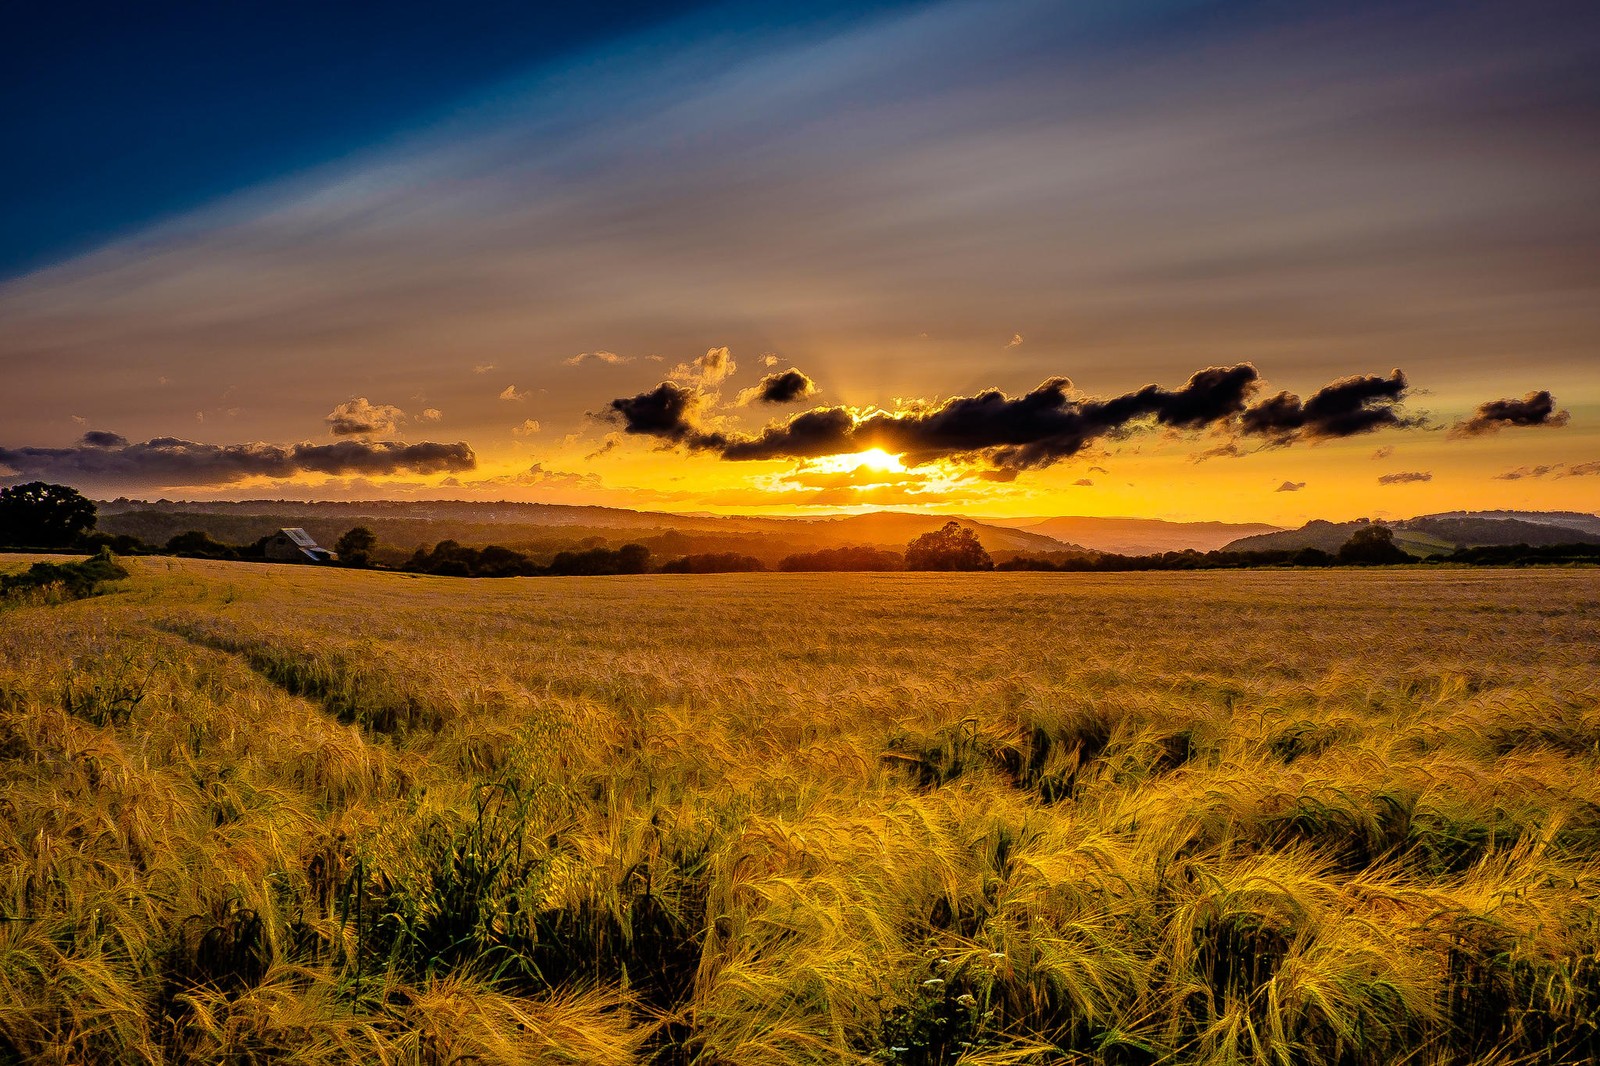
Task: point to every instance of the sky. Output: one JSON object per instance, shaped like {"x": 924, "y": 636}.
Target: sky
{"x": 1184, "y": 260}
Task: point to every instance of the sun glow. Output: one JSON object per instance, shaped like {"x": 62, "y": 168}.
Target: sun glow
{"x": 874, "y": 459}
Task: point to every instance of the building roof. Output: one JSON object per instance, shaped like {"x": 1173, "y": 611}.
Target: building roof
{"x": 300, "y": 537}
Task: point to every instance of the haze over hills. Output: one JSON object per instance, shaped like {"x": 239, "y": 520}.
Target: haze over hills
{"x": 536, "y": 528}
{"x": 548, "y": 528}
{"x": 1440, "y": 532}
{"x": 1138, "y": 536}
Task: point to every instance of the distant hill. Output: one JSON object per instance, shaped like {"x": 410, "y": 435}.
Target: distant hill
{"x": 1439, "y": 533}
{"x": 1574, "y": 519}
{"x": 1138, "y": 536}
{"x": 544, "y": 529}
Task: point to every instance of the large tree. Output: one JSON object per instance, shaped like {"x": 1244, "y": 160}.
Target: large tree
{"x": 948, "y": 548}
{"x": 1372, "y": 546}
{"x": 355, "y": 548}
{"x": 39, "y": 515}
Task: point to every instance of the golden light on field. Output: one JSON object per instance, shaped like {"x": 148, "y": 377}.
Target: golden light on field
{"x": 818, "y": 830}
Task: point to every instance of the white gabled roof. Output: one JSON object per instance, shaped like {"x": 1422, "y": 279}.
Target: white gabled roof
{"x": 300, "y": 537}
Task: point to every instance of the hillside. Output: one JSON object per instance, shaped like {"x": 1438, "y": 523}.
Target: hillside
{"x": 1138, "y": 536}
{"x": 1426, "y": 534}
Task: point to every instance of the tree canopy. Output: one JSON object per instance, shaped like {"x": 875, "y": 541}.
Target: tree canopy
{"x": 948, "y": 548}
{"x": 355, "y": 547}
{"x": 39, "y": 515}
{"x": 1372, "y": 546}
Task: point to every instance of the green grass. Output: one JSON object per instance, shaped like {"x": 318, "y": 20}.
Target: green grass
{"x": 255, "y": 813}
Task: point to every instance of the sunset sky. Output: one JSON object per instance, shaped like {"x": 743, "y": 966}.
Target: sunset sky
{"x": 288, "y": 251}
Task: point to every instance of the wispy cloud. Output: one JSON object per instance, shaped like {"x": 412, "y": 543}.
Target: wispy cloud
{"x": 609, "y": 358}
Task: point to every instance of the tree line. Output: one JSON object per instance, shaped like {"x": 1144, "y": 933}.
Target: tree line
{"x": 47, "y": 517}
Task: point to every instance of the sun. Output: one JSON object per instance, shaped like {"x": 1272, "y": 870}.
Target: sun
{"x": 875, "y": 459}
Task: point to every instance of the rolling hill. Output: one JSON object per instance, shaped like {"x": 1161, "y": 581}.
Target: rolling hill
{"x": 1137, "y": 536}
{"x": 1427, "y": 534}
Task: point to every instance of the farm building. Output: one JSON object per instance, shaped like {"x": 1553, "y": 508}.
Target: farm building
{"x": 296, "y": 546}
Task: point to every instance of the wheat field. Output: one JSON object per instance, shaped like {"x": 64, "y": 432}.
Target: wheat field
{"x": 253, "y": 813}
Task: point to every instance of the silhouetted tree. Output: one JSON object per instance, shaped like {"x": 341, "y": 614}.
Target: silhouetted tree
{"x": 355, "y": 547}
{"x": 198, "y": 545}
{"x": 714, "y": 563}
{"x": 39, "y": 515}
{"x": 633, "y": 559}
{"x": 1372, "y": 546}
{"x": 835, "y": 560}
{"x": 949, "y": 548}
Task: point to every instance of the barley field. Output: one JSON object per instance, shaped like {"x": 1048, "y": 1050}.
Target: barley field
{"x": 254, "y": 813}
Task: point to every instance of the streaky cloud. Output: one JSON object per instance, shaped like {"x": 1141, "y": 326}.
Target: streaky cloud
{"x": 163, "y": 461}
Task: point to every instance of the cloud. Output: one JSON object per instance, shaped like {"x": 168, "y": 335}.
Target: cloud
{"x": 1383, "y": 452}
{"x": 1345, "y": 408}
{"x": 1406, "y": 477}
{"x": 537, "y": 475}
{"x": 1527, "y": 471}
{"x": 1015, "y": 341}
{"x": 1290, "y": 486}
{"x": 1534, "y": 409}
{"x": 668, "y": 412}
{"x": 528, "y": 428}
{"x": 787, "y": 387}
{"x": 511, "y": 392}
{"x": 1030, "y": 431}
{"x": 769, "y": 360}
{"x": 609, "y": 358}
{"x": 173, "y": 461}
{"x": 97, "y": 438}
{"x": 429, "y": 414}
{"x": 357, "y": 416}
{"x": 1083, "y": 482}
{"x": 708, "y": 371}
{"x": 483, "y": 368}
{"x": 1557, "y": 469}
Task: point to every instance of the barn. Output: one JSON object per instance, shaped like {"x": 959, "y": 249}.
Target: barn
{"x": 296, "y": 546}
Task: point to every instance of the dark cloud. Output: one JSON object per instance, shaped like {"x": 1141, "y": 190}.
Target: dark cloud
{"x": 1290, "y": 486}
{"x": 1033, "y": 430}
{"x": 1534, "y": 409}
{"x": 96, "y": 438}
{"x": 1345, "y": 408}
{"x": 172, "y": 461}
{"x": 1405, "y": 477}
{"x": 787, "y": 387}
{"x": 667, "y": 411}
{"x": 1588, "y": 469}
